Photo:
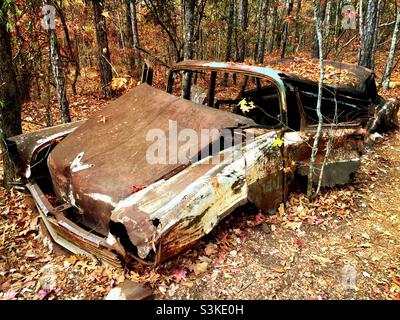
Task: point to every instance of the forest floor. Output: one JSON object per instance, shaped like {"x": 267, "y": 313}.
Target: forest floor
{"x": 345, "y": 245}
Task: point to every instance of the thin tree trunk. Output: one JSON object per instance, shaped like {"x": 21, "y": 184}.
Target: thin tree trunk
{"x": 375, "y": 43}
{"x": 259, "y": 17}
{"x": 178, "y": 49}
{"x": 129, "y": 36}
{"x": 279, "y": 28}
{"x": 318, "y": 24}
{"x": 49, "y": 114}
{"x": 58, "y": 74}
{"x": 59, "y": 78}
{"x": 263, "y": 32}
{"x": 229, "y": 32}
{"x": 321, "y": 16}
{"x": 273, "y": 29}
{"x": 296, "y": 22}
{"x": 73, "y": 55}
{"x": 243, "y": 24}
{"x": 361, "y": 25}
{"x": 188, "y": 34}
{"x": 369, "y": 35}
{"x": 103, "y": 52}
{"x": 10, "y": 107}
{"x": 289, "y": 7}
{"x": 135, "y": 33}
{"x": 388, "y": 69}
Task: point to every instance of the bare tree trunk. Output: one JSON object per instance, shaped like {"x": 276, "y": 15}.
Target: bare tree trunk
{"x": 263, "y": 31}
{"x": 188, "y": 34}
{"x": 318, "y": 24}
{"x": 10, "y": 108}
{"x": 129, "y": 36}
{"x": 59, "y": 78}
{"x": 259, "y": 17}
{"x": 375, "y": 43}
{"x": 49, "y": 114}
{"x": 296, "y": 22}
{"x": 73, "y": 55}
{"x": 369, "y": 35}
{"x": 321, "y": 16}
{"x": 289, "y": 7}
{"x": 229, "y": 32}
{"x": 243, "y": 24}
{"x": 361, "y": 25}
{"x": 388, "y": 70}
{"x": 103, "y": 52}
{"x": 135, "y": 33}
{"x": 273, "y": 29}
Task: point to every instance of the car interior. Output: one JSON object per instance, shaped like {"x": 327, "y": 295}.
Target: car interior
{"x": 228, "y": 91}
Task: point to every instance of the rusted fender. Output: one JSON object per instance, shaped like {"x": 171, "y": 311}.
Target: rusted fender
{"x": 343, "y": 161}
{"x": 26, "y": 147}
{"x": 386, "y": 116}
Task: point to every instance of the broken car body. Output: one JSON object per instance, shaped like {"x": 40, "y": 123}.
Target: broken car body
{"x": 99, "y": 195}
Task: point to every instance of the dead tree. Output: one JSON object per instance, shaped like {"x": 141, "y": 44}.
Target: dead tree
{"x": 263, "y": 32}
{"x": 10, "y": 107}
{"x": 188, "y": 35}
{"x": 388, "y": 70}
{"x": 367, "y": 45}
{"x": 318, "y": 26}
{"x": 103, "y": 52}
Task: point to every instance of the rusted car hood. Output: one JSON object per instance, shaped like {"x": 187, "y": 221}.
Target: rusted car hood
{"x": 97, "y": 165}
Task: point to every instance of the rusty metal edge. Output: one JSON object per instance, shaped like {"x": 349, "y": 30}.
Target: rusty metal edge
{"x": 45, "y": 209}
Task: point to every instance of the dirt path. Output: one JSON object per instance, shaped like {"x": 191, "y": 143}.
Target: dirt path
{"x": 350, "y": 237}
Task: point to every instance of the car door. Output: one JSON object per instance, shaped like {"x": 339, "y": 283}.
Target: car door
{"x": 344, "y": 142}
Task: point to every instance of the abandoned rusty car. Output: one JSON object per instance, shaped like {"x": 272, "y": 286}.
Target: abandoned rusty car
{"x": 99, "y": 193}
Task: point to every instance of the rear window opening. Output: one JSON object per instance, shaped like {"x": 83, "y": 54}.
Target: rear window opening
{"x": 229, "y": 91}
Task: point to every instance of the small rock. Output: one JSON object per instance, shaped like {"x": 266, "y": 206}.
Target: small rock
{"x": 48, "y": 279}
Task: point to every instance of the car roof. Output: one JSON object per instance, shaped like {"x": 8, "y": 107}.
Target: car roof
{"x": 230, "y": 67}
{"x": 363, "y": 77}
